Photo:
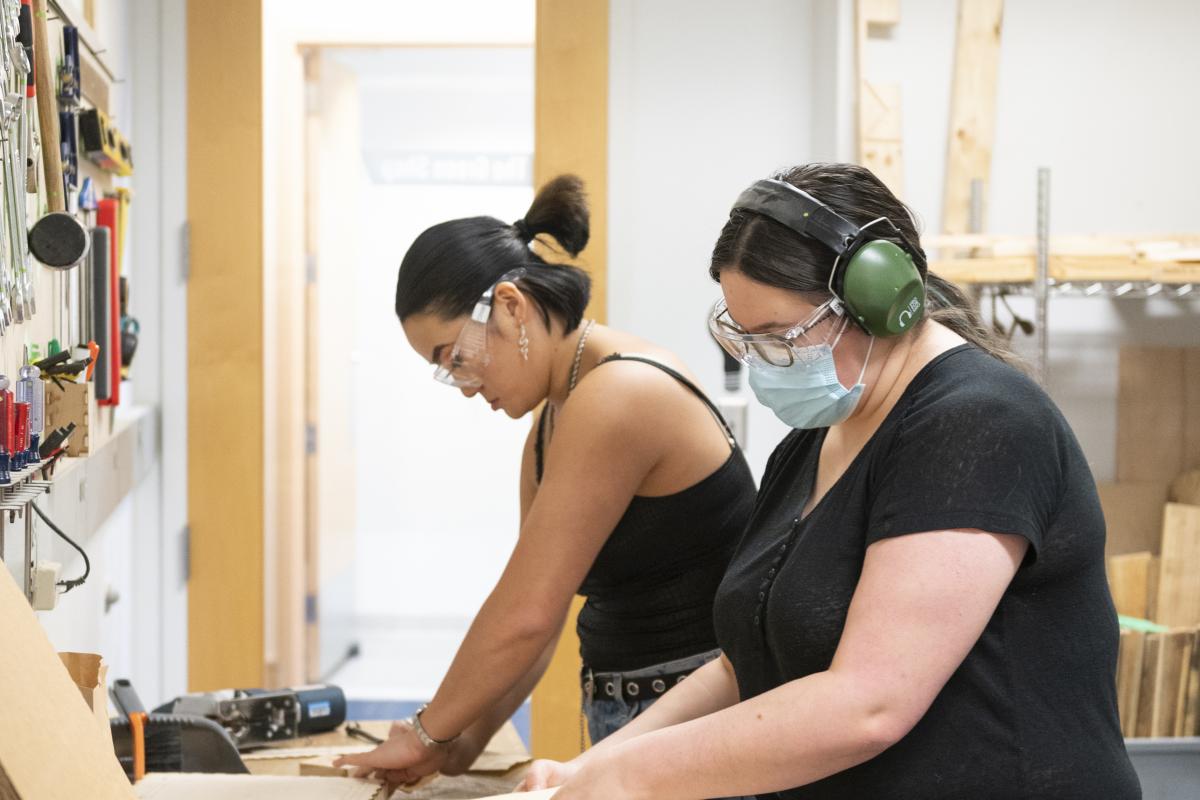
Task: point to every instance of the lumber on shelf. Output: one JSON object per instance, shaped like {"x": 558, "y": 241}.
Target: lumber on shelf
{"x": 984, "y": 258}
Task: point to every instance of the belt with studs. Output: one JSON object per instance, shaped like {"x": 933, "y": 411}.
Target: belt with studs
{"x": 615, "y": 684}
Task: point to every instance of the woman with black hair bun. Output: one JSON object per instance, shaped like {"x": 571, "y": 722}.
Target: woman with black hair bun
{"x": 633, "y": 490}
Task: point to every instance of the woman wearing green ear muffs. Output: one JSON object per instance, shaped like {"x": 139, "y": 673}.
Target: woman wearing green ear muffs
{"x": 918, "y": 607}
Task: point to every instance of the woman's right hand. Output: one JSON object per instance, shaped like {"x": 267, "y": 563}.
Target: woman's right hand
{"x": 546, "y": 774}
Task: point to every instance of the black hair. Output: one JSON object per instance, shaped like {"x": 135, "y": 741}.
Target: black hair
{"x": 772, "y": 253}
{"x": 452, "y": 264}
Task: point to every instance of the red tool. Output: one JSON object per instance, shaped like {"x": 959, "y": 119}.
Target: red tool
{"x": 8, "y": 418}
{"x": 21, "y": 434}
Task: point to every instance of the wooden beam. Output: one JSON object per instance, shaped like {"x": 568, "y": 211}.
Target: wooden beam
{"x": 1130, "y": 579}
{"x": 1179, "y": 574}
{"x": 571, "y": 135}
{"x": 225, "y": 343}
{"x": 972, "y": 109}
{"x": 879, "y": 139}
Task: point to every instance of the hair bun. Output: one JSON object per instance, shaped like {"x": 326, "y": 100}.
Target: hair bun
{"x": 559, "y": 209}
{"x": 521, "y": 228}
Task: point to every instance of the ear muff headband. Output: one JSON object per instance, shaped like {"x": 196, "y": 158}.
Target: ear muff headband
{"x": 878, "y": 282}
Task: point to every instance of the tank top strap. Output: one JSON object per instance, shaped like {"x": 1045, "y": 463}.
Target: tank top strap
{"x": 539, "y": 444}
{"x": 682, "y": 379}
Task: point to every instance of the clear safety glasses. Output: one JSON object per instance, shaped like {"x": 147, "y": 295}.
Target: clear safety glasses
{"x": 463, "y": 367}
{"x": 776, "y": 349}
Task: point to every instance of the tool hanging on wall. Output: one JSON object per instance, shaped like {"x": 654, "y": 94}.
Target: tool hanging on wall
{"x": 68, "y": 113}
{"x": 101, "y": 311}
{"x": 103, "y": 143}
{"x": 58, "y": 239}
{"x": 108, "y": 217}
{"x": 29, "y": 145}
{"x": 68, "y": 71}
{"x": 13, "y": 115}
{"x": 130, "y": 328}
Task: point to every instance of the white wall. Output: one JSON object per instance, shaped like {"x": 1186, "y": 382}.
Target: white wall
{"x": 707, "y": 97}
{"x": 704, "y": 98}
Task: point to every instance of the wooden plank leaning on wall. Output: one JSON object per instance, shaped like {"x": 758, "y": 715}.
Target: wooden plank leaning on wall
{"x": 225, "y": 343}
{"x": 972, "y": 110}
{"x": 571, "y": 135}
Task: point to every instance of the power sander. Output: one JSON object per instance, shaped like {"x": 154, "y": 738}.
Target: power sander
{"x": 256, "y": 717}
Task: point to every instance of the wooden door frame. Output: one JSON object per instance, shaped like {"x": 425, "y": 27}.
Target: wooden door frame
{"x": 225, "y": 343}
{"x": 226, "y": 427}
{"x": 571, "y": 135}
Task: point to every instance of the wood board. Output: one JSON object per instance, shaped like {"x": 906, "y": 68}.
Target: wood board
{"x": 1190, "y": 722}
{"x": 1133, "y": 513}
{"x": 46, "y": 721}
{"x": 972, "y": 108}
{"x": 1130, "y": 656}
{"x": 571, "y": 71}
{"x": 1174, "y": 656}
{"x": 1147, "y": 682}
{"x": 878, "y": 125}
{"x": 1178, "y": 601}
{"x": 1131, "y": 580}
{"x": 184, "y": 786}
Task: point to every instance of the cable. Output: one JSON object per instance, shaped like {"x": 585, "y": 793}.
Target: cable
{"x": 87, "y": 564}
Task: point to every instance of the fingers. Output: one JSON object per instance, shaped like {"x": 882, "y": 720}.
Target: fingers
{"x": 406, "y": 781}
{"x": 352, "y": 760}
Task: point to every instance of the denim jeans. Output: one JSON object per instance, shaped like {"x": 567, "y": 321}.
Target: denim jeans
{"x": 607, "y": 715}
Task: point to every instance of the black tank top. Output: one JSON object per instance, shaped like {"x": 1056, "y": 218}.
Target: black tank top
{"x": 650, "y": 590}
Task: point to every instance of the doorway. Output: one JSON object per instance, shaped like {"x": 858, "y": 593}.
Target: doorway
{"x": 411, "y": 487}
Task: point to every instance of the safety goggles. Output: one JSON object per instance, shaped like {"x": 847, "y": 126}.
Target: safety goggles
{"x": 464, "y": 366}
{"x": 776, "y": 349}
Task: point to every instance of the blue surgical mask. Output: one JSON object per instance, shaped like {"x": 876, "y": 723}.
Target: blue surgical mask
{"x": 808, "y": 394}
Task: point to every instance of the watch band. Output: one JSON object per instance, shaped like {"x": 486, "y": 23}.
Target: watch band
{"x": 423, "y": 734}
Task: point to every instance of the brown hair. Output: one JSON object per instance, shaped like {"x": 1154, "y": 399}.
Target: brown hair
{"x": 772, "y": 253}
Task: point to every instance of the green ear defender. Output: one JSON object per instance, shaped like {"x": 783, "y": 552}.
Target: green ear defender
{"x": 875, "y": 279}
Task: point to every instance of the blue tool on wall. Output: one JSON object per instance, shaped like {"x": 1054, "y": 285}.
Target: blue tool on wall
{"x": 68, "y": 71}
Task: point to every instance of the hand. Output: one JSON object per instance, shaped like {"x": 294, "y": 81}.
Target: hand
{"x": 601, "y": 779}
{"x": 402, "y": 759}
{"x": 545, "y": 774}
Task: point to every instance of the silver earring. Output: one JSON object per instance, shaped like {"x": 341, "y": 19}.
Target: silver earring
{"x": 523, "y": 343}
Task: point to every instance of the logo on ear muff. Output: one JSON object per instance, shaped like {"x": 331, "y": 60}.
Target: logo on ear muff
{"x": 875, "y": 279}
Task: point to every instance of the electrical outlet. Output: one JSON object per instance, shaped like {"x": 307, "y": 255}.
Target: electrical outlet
{"x": 45, "y": 585}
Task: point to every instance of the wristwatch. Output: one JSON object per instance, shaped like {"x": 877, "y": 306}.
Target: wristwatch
{"x": 423, "y": 735}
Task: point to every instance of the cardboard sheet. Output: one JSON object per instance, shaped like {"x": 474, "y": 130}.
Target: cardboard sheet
{"x": 314, "y": 755}
{"x": 277, "y": 753}
{"x": 255, "y": 787}
{"x": 503, "y": 752}
{"x": 50, "y": 744}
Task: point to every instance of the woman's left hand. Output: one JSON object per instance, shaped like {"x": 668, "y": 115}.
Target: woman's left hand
{"x": 402, "y": 759}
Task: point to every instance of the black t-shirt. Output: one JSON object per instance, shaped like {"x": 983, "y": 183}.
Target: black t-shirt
{"x": 1032, "y": 711}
